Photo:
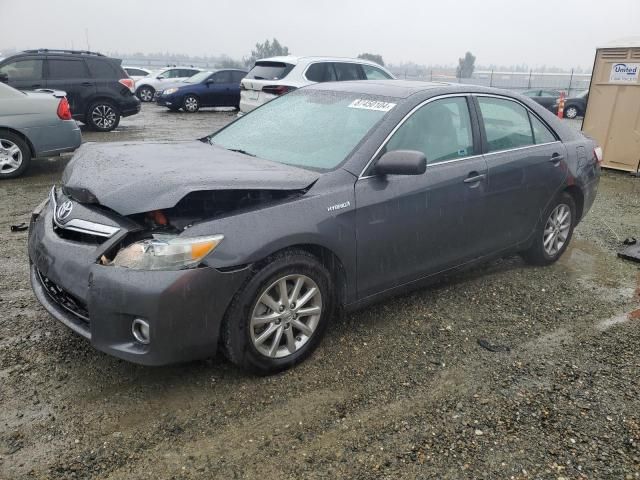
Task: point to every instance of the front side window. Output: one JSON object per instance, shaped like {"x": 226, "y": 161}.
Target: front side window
{"x": 62, "y": 69}
{"x": 531, "y": 93}
{"x": 321, "y": 72}
{"x": 440, "y": 129}
{"x": 311, "y": 129}
{"x": 373, "y": 73}
{"x": 506, "y": 124}
{"x": 173, "y": 73}
{"x": 348, "y": 71}
{"x": 23, "y": 70}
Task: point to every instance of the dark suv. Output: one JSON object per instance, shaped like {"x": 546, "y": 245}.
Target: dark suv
{"x": 98, "y": 89}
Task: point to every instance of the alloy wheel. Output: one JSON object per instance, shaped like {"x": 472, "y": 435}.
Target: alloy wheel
{"x": 103, "y": 116}
{"x": 285, "y": 316}
{"x": 146, "y": 95}
{"x": 556, "y": 230}
{"x": 571, "y": 112}
{"x": 191, "y": 104}
{"x": 10, "y": 156}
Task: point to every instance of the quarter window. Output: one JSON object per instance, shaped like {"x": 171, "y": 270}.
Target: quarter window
{"x": 23, "y": 70}
{"x": 541, "y": 134}
{"x": 506, "y": 124}
{"x": 441, "y": 130}
{"x": 62, "y": 69}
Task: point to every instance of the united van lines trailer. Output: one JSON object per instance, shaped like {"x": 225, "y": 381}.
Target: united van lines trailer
{"x": 613, "y": 108}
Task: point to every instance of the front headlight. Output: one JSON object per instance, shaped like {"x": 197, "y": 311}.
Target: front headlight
{"x": 166, "y": 252}
{"x": 169, "y": 91}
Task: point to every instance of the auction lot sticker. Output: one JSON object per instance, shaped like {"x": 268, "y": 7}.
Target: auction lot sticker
{"x": 624, "y": 73}
{"x": 372, "y": 105}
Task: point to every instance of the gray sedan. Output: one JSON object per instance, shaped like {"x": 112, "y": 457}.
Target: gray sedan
{"x": 325, "y": 199}
{"x": 33, "y": 124}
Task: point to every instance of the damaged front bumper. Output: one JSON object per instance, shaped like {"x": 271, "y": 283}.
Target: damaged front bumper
{"x": 184, "y": 308}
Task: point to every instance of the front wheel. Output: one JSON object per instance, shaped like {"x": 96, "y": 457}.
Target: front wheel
{"x": 571, "y": 112}
{"x": 554, "y": 233}
{"x": 15, "y": 155}
{"x": 281, "y": 314}
{"x": 191, "y": 104}
{"x": 103, "y": 116}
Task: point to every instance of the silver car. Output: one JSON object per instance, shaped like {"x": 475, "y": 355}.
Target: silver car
{"x": 33, "y": 124}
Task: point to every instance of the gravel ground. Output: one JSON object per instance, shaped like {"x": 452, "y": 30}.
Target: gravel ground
{"x": 399, "y": 390}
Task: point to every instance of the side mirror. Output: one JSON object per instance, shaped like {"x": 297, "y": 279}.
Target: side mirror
{"x": 160, "y": 77}
{"x": 4, "y": 78}
{"x": 402, "y": 162}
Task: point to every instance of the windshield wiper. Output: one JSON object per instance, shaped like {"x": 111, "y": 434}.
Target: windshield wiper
{"x": 239, "y": 150}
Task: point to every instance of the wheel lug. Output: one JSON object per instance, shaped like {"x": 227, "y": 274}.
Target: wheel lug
{"x": 282, "y": 308}
{"x": 293, "y": 305}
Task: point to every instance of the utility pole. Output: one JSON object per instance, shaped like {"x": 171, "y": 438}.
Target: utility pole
{"x": 86, "y": 36}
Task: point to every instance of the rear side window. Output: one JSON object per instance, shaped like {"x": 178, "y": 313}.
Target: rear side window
{"x": 321, "y": 72}
{"x": 373, "y": 73}
{"x": 133, "y": 71}
{"x": 541, "y": 134}
{"x": 101, "y": 68}
{"x": 185, "y": 72}
{"x": 506, "y": 124}
{"x": 441, "y": 130}
{"x": 531, "y": 93}
{"x": 549, "y": 93}
{"x": 23, "y": 70}
{"x": 62, "y": 69}
{"x": 269, "y": 71}
{"x": 222, "y": 77}
{"x": 237, "y": 76}
{"x": 348, "y": 71}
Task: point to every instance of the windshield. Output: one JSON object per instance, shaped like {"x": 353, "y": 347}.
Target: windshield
{"x": 198, "y": 77}
{"x": 313, "y": 129}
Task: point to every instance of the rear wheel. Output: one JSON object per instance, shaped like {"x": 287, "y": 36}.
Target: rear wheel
{"x": 281, "y": 314}
{"x": 554, "y": 233}
{"x": 191, "y": 104}
{"x": 146, "y": 93}
{"x": 15, "y": 155}
{"x": 103, "y": 116}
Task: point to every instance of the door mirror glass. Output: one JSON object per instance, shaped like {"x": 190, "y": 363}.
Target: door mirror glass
{"x": 402, "y": 162}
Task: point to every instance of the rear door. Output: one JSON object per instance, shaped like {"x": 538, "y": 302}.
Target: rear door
{"x": 412, "y": 226}
{"x": 25, "y": 73}
{"x": 219, "y": 89}
{"x": 526, "y": 166}
{"x": 71, "y": 75}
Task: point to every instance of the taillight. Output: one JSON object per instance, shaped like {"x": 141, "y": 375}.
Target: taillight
{"x": 129, "y": 83}
{"x": 64, "y": 111}
{"x": 597, "y": 152}
{"x": 277, "y": 89}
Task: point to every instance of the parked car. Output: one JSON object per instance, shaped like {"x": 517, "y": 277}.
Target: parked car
{"x": 136, "y": 73}
{"x": 545, "y": 97}
{"x": 220, "y": 88}
{"x": 271, "y": 77}
{"x": 147, "y": 87}
{"x": 33, "y": 124}
{"x": 575, "y": 106}
{"x": 99, "y": 91}
{"x": 333, "y": 196}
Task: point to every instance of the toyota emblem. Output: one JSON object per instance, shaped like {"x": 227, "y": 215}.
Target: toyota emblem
{"x": 64, "y": 210}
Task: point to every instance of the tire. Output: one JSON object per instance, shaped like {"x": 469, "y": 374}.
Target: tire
{"x": 146, "y": 93}
{"x": 545, "y": 250}
{"x": 15, "y": 155}
{"x": 248, "y": 344}
{"x": 571, "y": 112}
{"x": 191, "y": 104}
{"x": 103, "y": 116}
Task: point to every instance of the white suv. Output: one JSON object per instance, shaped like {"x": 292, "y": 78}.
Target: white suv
{"x": 147, "y": 87}
{"x": 271, "y": 77}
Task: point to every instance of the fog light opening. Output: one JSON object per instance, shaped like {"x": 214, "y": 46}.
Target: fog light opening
{"x": 140, "y": 330}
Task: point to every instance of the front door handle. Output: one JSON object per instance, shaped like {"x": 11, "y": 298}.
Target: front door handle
{"x": 474, "y": 177}
{"x": 87, "y": 84}
{"x": 36, "y": 85}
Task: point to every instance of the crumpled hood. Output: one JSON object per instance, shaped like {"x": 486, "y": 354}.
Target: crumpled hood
{"x": 135, "y": 177}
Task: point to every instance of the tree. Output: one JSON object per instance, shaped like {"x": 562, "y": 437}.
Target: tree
{"x": 266, "y": 50}
{"x": 373, "y": 57}
{"x": 228, "y": 62}
{"x": 466, "y": 66}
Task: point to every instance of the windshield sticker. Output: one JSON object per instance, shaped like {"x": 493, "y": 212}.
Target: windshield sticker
{"x": 372, "y": 105}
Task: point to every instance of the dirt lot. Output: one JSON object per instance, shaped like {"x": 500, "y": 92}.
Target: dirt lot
{"x": 400, "y": 390}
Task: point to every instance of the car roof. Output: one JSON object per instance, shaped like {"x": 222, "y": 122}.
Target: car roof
{"x": 294, "y": 60}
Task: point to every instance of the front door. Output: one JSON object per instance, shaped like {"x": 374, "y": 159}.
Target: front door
{"x": 412, "y": 226}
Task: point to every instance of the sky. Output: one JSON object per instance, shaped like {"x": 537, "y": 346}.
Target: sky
{"x": 561, "y": 33}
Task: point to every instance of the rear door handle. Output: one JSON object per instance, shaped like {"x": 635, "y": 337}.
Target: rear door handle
{"x": 37, "y": 85}
{"x": 556, "y": 158}
{"x": 87, "y": 84}
{"x": 474, "y": 177}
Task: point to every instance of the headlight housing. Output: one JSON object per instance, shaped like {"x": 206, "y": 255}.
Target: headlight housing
{"x": 169, "y": 91}
{"x": 166, "y": 252}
